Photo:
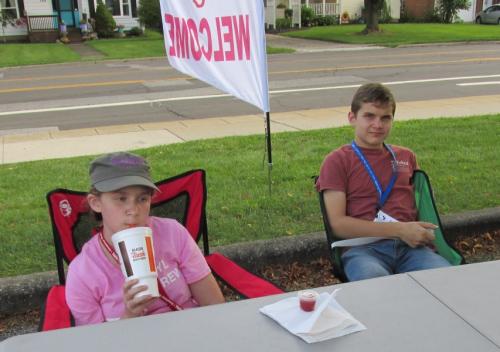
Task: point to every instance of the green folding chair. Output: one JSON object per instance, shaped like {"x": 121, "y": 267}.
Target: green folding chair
{"x": 427, "y": 211}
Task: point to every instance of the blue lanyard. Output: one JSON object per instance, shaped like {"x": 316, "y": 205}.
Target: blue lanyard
{"x": 382, "y": 194}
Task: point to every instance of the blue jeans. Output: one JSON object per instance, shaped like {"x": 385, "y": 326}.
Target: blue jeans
{"x": 388, "y": 257}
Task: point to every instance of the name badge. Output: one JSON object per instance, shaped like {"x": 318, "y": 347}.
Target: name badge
{"x": 383, "y": 217}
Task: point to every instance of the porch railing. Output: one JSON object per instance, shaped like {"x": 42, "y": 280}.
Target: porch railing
{"x": 43, "y": 23}
{"x": 330, "y": 9}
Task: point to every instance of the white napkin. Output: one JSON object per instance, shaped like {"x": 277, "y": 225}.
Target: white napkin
{"x": 327, "y": 321}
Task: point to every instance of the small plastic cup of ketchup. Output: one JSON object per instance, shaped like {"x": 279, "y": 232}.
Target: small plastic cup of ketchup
{"x": 307, "y": 300}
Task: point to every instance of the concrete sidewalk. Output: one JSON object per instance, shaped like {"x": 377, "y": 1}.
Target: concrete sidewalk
{"x": 311, "y": 45}
{"x": 50, "y": 144}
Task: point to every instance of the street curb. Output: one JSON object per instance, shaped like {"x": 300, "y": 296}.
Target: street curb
{"x": 470, "y": 42}
{"x": 21, "y": 293}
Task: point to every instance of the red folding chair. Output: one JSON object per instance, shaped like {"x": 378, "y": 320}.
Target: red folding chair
{"x": 182, "y": 197}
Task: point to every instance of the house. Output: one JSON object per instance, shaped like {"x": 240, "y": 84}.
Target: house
{"x": 476, "y": 6}
{"x": 354, "y": 8}
{"x": 420, "y": 8}
{"x": 324, "y": 7}
{"x": 335, "y": 7}
{"x": 40, "y": 19}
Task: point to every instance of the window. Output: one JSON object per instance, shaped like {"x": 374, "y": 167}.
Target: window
{"x": 9, "y": 8}
{"x": 126, "y": 7}
{"x": 117, "y": 7}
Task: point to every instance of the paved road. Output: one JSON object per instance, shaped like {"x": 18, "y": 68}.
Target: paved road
{"x": 81, "y": 95}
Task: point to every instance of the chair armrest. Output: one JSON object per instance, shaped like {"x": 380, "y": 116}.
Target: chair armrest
{"x": 239, "y": 279}
{"x": 55, "y": 313}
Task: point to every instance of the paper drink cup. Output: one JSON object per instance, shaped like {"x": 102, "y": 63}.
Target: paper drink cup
{"x": 307, "y": 300}
{"x": 134, "y": 247}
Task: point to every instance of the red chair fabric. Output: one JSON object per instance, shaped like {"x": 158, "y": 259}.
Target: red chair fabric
{"x": 56, "y": 312}
{"x": 242, "y": 281}
{"x": 182, "y": 197}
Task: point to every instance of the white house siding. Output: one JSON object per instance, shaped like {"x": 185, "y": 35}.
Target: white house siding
{"x": 11, "y": 31}
{"x": 395, "y": 9}
{"x": 32, "y": 8}
{"x": 83, "y": 6}
{"x": 38, "y": 7}
{"x": 467, "y": 15}
{"x": 353, "y": 7}
{"x": 486, "y": 3}
{"x": 127, "y": 22}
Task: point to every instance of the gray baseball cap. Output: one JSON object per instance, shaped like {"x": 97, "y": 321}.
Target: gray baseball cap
{"x": 114, "y": 171}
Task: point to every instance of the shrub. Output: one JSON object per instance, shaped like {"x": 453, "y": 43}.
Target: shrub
{"x": 307, "y": 16}
{"x": 432, "y": 16}
{"x": 104, "y": 22}
{"x": 327, "y": 20}
{"x": 406, "y": 17}
{"x": 135, "y": 32}
{"x": 283, "y": 23}
{"x": 150, "y": 14}
{"x": 385, "y": 13}
{"x": 448, "y": 9}
{"x": 288, "y": 13}
{"x": 319, "y": 20}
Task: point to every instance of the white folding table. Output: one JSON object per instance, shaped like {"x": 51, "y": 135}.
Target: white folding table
{"x": 471, "y": 291}
{"x": 400, "y": 314}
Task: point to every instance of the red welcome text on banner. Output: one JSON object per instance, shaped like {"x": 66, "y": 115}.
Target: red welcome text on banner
{"x": 231, "y": 33}
{"x": 223, "y": 46}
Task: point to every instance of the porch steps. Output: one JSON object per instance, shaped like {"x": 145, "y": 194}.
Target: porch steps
{"x": 74, "y": 35}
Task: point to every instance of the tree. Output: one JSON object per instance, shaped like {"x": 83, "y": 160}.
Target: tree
{"x": 448, "y": 9}
{"x": 150, "y": 14}
{"x": 104, "y": 22}
{"x": 6, "y": 18}
{"x": 372, "y": 13}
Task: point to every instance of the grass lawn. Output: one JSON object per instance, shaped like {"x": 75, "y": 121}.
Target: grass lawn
{"x": 150, "y": 45}
{"x": 400, "y": 34}
{"x": 140, "y": 48}
{"x": 460, "y": 155}
{"x": 34, "y": 54}
{"x": 129, "y": 48}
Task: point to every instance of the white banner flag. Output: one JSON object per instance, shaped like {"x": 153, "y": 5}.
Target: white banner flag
{"x": 221, "y": 43}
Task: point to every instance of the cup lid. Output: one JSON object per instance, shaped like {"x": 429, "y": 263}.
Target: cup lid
{"x": 308, "y": 294}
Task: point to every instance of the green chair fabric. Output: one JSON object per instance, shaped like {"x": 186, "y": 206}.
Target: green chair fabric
{"x": 427, "y": 211}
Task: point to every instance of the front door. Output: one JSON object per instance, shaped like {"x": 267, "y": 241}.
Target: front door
{"x": 67, "y": 12}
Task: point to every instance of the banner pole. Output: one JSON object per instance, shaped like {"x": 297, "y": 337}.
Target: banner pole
{"x": 269, "y": 150}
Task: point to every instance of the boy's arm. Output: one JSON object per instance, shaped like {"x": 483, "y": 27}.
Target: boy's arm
{"x": 413, "y": 233}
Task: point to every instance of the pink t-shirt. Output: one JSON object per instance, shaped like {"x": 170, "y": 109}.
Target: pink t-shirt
{"x": 94, "y": 286}
{"x": 343, "y": 171}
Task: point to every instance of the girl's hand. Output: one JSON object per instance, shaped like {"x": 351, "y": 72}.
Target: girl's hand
{"x": 135, "y": 306}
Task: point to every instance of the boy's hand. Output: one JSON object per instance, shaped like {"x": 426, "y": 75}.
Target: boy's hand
{"x": 417, "y": 234}
{"x": 135, "y": 306}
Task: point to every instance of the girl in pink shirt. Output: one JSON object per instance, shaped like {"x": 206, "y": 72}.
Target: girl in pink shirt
{"x": 96, "y": 290}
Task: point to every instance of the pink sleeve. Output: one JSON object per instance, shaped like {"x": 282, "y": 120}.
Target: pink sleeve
{"x": 333, "y": 173}
{"x": 193, "y": 265}
{"x": 84, "y": 307}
